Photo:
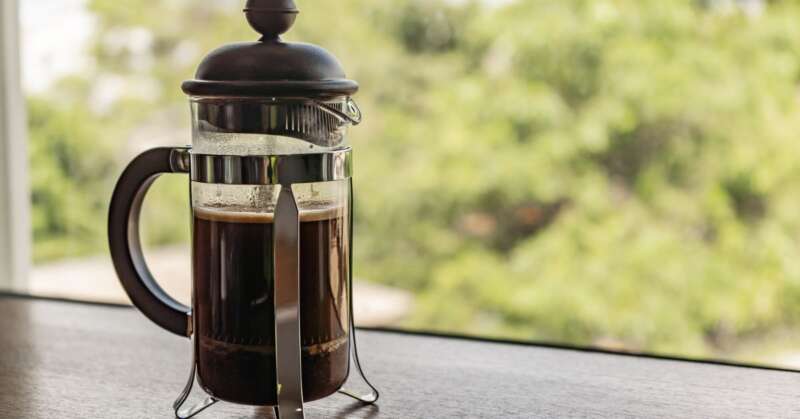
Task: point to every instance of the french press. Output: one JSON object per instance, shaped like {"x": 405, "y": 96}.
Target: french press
{"x": 271, "y": 321}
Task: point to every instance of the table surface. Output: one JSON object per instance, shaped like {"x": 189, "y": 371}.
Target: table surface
{"x": 70, "y": 360}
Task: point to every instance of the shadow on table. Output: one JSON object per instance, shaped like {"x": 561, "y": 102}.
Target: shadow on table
{"x": 349, "y": 411}
{"x": 352, "y": 409}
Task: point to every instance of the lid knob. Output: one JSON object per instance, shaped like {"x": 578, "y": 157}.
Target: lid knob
{"x": 270, "y": 18}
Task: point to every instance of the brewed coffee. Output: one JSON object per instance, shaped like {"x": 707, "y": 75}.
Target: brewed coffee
{"x": 234, "y": 316}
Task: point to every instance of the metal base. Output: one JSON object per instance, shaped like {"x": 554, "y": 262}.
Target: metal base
{"x": 288, "y": 347}
{"x": 188, "y": 412}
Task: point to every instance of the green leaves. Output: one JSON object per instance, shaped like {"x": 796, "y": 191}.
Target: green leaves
{"x": 621, "y": 173}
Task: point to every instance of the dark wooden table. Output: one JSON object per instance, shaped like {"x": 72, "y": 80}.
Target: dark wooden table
{"x": 69, "y": 360}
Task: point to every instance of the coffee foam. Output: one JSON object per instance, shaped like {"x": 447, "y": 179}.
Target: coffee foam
{"x": 236, "y": 215}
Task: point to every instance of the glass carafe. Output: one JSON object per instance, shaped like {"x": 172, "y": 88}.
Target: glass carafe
{"x": 243, "y": 164}
{"x": 271, "y": 247}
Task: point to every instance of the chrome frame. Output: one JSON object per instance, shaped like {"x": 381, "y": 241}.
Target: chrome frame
{"x": 288, "y": 344}
{"x": 284, "y": 170}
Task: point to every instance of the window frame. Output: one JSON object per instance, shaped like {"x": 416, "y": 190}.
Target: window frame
{"x": 15, "y": 205}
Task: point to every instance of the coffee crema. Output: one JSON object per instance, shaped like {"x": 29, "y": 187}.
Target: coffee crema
{"x": 234, "y": 316}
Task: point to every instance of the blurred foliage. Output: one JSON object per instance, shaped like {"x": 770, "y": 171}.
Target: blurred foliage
{"x": 618, "y": 173}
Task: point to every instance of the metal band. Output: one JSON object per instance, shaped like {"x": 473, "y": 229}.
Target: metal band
{"x": 272, "y": 170}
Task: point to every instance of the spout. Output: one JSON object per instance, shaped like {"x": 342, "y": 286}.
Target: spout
{"x": 351, "y": 114}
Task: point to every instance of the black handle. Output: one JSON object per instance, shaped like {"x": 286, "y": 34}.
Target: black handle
{"x": 123, "y": 238}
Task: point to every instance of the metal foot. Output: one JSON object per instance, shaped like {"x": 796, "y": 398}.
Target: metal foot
{"x": 190, "y": 411}
{"x": 292, "y": 414}
{"x": 373, "y": 395}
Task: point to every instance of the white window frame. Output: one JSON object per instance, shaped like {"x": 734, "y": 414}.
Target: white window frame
{"x": 15, "y": 205}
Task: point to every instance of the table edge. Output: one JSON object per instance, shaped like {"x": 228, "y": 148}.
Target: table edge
{"x": 455, "y": 336}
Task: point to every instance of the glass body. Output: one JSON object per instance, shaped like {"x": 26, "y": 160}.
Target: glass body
{"x": 233, "y": 261}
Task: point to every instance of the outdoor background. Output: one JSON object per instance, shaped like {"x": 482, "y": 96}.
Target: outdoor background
{"x": 623, "y": 174}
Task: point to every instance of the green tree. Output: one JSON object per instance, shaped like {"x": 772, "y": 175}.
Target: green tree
{"x": 606, "y": 172}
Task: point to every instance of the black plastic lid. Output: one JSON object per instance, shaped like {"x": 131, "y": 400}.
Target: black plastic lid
{"x": 270, "y": 67}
